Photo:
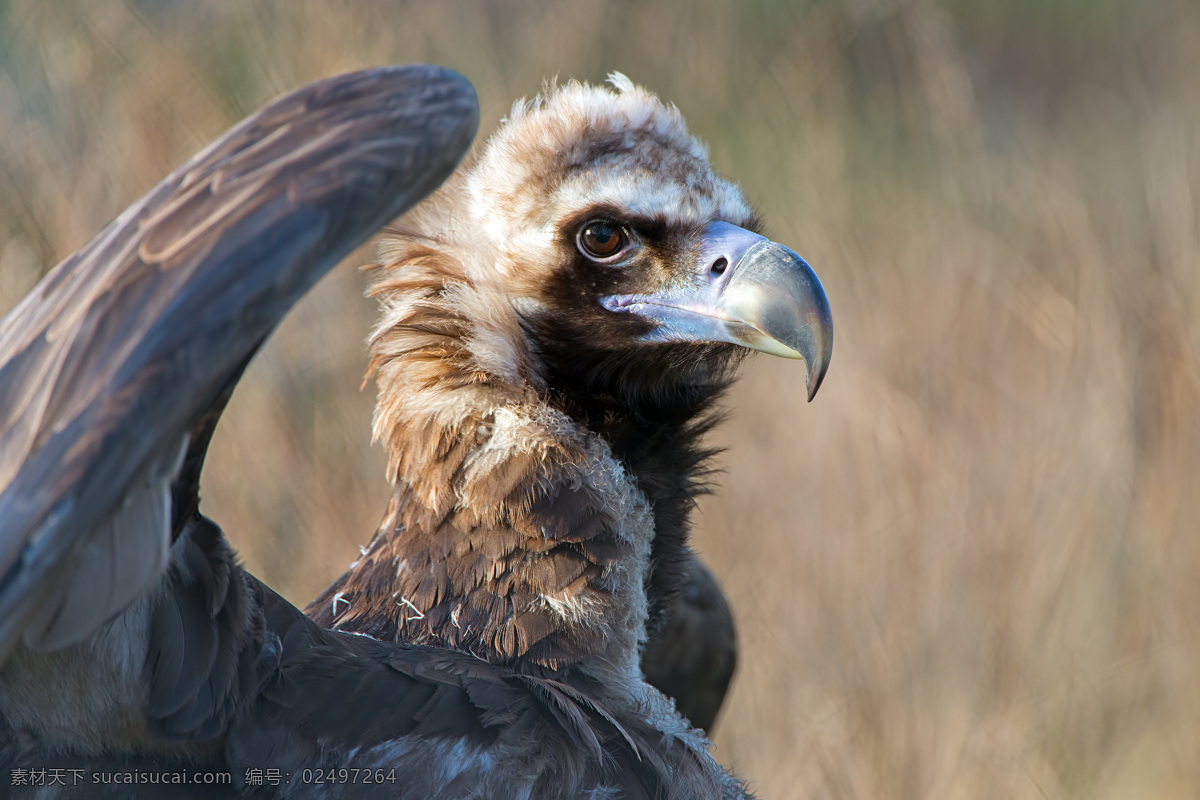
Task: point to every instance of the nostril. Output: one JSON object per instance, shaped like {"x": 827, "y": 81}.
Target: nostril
{"x": 719, "y": 266}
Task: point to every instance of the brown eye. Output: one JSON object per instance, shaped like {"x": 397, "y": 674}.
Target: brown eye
{"x": 602, "y": 240}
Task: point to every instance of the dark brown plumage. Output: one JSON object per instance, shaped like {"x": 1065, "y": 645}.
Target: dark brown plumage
{"x": 693, "y": 657}
{"x": 543, "y": 425}
{"x": 538, "y": 440}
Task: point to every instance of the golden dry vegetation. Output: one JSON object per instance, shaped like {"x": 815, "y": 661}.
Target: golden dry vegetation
{"x": 970, "y": 569}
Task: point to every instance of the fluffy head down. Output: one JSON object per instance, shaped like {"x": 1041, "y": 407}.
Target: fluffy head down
{"x": 508, "y": 219}
{"x": 582, "y": 146}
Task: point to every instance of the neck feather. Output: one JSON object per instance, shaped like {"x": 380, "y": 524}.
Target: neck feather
{"x": 513, "y": 532}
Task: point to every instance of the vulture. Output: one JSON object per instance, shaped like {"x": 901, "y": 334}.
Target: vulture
{"x": 560, "y": 319}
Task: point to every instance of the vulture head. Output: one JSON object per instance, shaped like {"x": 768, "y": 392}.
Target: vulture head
{"x": 606, "y": 255}
{"x": 559, "y": 320}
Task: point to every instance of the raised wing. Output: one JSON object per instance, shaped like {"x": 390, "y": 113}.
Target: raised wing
{"x": 109, "y": 364}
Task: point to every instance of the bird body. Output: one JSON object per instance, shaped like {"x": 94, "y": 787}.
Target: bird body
{"x": 536, "y": 446}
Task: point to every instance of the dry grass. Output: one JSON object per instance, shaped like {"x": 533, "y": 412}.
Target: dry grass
{"x": 971, "y": 568}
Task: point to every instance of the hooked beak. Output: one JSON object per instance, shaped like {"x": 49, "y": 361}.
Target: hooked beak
{"x": 746, "y": 290}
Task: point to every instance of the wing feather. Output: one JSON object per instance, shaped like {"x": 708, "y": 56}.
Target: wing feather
{"x": 110, "y": 569}
{"x": 108, "y": 363}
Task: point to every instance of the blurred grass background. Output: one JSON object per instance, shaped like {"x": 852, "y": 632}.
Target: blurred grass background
{"x": 971, "y": 568}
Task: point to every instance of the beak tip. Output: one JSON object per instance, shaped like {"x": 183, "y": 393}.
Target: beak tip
{"x": 814, "y": 383}
{"x": 817, "y": 362}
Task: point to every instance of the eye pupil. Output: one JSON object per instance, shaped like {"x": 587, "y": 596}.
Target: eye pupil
{"x": 601, "y": 239}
